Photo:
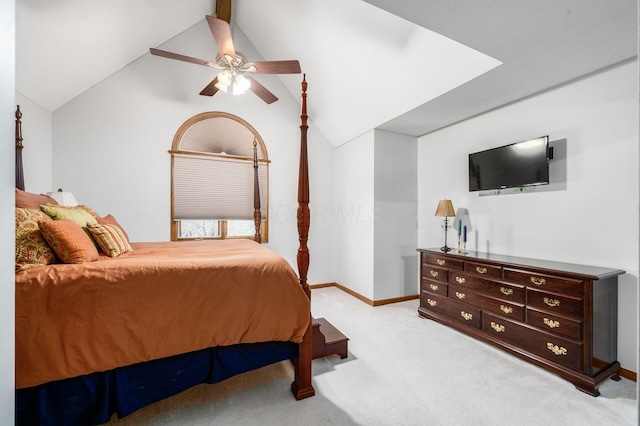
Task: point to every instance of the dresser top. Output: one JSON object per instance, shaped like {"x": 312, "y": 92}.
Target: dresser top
{"x": 587, "y": 271}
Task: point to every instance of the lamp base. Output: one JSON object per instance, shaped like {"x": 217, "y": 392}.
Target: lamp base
{"x": 445, "y": 249}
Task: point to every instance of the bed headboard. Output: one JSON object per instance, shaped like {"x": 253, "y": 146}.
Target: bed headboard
{"x": 19, "y": 171}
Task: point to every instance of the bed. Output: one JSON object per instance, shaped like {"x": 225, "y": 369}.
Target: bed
{"x": 114, "y": 334}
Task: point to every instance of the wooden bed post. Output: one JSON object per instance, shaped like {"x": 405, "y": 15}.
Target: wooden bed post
{"x": 257, "y": 216}
{"x": 19, "y": 171}
{"x": 302, "y": 387}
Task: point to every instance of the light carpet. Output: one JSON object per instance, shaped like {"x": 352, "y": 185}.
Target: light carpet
{"x": 401, "y": 370}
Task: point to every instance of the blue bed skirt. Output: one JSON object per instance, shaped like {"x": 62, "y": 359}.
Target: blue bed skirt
{"x": 92, "y": 399}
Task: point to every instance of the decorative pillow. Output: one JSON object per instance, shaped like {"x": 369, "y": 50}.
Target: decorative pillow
{"x": 110, "y": 239}
{"x": 31, "y": 249}
{"x": 28, "y": 200}
{"x": 79, "y": 206}
{"x": 110, "y": 220}
{"x": 69, "y": 241}
{"x": 77, "y": 214}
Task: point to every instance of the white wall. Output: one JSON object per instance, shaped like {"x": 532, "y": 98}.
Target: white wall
{"x": 355, "y": 215}
{"x": 7, "y": 231}
{"x": 591, "y": 218}
{"x": 396, "y": 216}
{"x": 36, "y": 154}
{"x": 110, "y": 146}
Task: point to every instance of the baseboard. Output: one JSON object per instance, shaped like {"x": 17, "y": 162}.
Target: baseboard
{"x": 364, "y": 299}
{"x": 627, "y": 374}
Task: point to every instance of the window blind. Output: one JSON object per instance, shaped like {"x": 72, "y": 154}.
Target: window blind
{"x": 212, "y": 187}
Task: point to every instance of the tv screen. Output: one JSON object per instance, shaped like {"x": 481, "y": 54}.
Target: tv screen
{"x": 519, "y": 164}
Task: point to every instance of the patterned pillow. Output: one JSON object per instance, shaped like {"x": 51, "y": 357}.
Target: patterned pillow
{"x": 77, "y": 214}
{"x": 110, "y": 239}
{"x": 69, "y": 241}
{"x": 31, "y": 249}
{"x": 110, "y": 220}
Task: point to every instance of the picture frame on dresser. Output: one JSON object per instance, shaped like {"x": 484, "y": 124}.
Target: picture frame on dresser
{"x": 560, "y": 316}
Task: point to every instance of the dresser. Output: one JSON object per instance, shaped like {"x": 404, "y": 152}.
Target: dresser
{"x": 562, "y": 317}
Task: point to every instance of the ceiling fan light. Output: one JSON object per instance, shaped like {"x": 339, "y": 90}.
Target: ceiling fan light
{"x": 221, "y": 87}
{"x": 225, "y": 78}
{"x": 240, "y": 85}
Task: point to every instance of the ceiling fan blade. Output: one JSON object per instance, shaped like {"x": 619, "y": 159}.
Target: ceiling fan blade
{"x": 273, "y": 67}
{"x": 222, "y": 36}
{"x": 211, "y": 88}
{"x": 184, "y": 58}
{"x": 262, "y": 92}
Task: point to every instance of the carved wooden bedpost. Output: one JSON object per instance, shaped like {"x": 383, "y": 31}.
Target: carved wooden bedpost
{"x": 257, "y": 216}
{"x": 302, "y": 387}
{"x": 19, "y": 171}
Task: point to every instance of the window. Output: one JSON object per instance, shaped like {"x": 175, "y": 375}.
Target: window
{"x": 212, "y": 179}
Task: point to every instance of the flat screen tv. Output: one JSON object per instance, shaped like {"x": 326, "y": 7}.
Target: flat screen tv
{"x": 519, "y": 164}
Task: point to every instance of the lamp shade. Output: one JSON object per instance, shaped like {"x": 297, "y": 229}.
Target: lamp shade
{"x": 63, "y": 198}
{"x": 445, "y": 208}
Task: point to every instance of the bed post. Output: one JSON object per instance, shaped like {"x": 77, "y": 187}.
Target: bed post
{"x": 257, "y": 216}
{"x": 302, "y": 387}
{"x": 19, "y": 171}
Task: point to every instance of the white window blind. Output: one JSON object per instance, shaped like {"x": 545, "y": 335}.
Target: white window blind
{"x": 213, "y": 187}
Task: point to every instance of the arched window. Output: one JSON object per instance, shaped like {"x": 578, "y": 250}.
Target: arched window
{"x": 212, "y": 178}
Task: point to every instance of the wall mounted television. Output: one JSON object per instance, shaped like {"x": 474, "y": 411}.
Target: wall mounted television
{"x": 519, "y": 164}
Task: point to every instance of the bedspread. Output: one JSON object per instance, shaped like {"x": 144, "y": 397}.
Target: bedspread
{"x": 162, "y": 299}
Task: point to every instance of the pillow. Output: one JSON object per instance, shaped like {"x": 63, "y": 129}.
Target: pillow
{"x": 110, "y": 239}
{"x": 31, "y": 249}
{"x": 77, "y": 214}
{"x": 79, "y": 206}
{"x": 110, "y": 220}
{"x": 27, "y": 200}
{"x": 69, "y": 241}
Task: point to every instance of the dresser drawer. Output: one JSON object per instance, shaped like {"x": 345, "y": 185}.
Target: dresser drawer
{"x": 555, "y": 304}
{"x": 552, "y": 347}
{"x": 510, "y": 292}
{"x": 434, "y": 286}
{"x": 544, "y": 282}
{"x": 485, "y": 303}
{"x": 554, "y": 324}
{"x": 483, "y": 269}
{"x": 453, "y": 309}
{"x": 431, "y": 272}
{"x": 442, "y": 261}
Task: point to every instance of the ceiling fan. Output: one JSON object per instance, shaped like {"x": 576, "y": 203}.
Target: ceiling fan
{"x": 236, "y": 69}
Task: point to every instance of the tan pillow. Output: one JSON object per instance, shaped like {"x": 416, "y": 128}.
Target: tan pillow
{"x": 69, "y": 241}
{"x": 77, "y": 214}
{"x": 110, "y": 239}
{"x": 110, "y": 220}
{"x": 31, "y": 249}
{"x": 28, "y": 200}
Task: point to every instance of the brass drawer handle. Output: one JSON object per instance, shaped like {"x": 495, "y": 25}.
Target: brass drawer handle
{"x": 557, "y": 350}
{"x": 537, "y": 281}
{"x": 551, "y": 302}
{"x": 551, "y": 323}
{"x": 434, "y": 287}
{"x": 434, "y": 274}
{"x": 506, "y": 291}
{"x": 481, "y": 269}
{"x": 466, "y": 315}
{"x": 460, "y": 280}
{"x": 441, "y": 262}
{"x": 499, "y": 328}
{"x": 506, "y": 309}
{"x": 431, "y": 302}
{"x": 460, "y": 295}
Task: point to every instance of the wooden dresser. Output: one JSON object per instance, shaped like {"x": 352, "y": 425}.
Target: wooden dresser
{"x": 562, "y": 317}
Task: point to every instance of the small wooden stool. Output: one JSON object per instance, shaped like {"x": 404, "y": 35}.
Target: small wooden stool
{"x": 328, "y": 340}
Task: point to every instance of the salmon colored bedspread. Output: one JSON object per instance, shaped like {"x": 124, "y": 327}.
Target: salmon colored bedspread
{"x": 162, "y": 299}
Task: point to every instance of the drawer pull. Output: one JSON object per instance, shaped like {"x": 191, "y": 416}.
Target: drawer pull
{"x": 506, "y": 291}
{"x": 460, "y": 280}
{"x": 551, "y": 302}
{"x": 551, "y": 323}
{"x": 537, "y": 281}
{"x": 481, "y": 269}
{"x": 506, "y": 309}
{"x": 434, "y": 287}
{"x": 459, "y": 295}
{"x": 557, "y": 350}
{"x": 499, "y": 328}
{"x": 434, "y": 274}
{"x": 466, "y": 315}
{"x": 441, "y": 262}
{"x": 431, "y": 302}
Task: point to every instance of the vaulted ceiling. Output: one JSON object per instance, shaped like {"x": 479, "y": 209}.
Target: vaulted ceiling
{"x": 410, "y": 66}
